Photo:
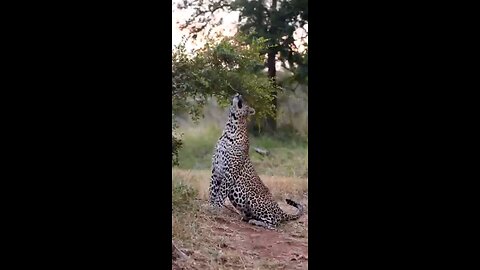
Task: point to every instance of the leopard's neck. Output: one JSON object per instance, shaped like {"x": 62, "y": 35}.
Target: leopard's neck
{"x": 236, "y": 132}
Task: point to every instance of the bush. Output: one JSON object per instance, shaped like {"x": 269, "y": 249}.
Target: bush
{"x": 220, "y": 69}
{"x": 183, "y": 196}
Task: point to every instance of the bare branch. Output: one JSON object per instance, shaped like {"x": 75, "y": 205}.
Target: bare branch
{"x": 261, "y": 151}
{"x": 203, "y": 15}
{"x": 178, "y": 252}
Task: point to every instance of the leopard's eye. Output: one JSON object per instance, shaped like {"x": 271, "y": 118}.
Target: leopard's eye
{"x": 240, "y": 104}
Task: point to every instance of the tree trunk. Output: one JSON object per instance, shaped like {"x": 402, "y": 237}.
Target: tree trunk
{"x": 270, "y": 124}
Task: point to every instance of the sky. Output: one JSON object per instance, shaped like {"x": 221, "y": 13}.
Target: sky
{"x": 228, "y": 28}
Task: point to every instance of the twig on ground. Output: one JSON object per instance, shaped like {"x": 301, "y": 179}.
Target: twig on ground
{"x": 261, "y": 151}
{"x": 178, "y": 252}
{"x": 233, "y": 210}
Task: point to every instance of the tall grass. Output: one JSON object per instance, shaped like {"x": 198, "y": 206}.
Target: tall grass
{"x": 288, "y": 147}
{"x": 288, "y": 155}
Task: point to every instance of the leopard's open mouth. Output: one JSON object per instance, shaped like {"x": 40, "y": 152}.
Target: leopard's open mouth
{"x": 239, "y": 100}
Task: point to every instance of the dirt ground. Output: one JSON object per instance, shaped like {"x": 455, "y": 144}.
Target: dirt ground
{"x": 223, "y": 241}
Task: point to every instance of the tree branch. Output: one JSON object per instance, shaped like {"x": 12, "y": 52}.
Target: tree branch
{"x": 178, "y": 252}
{"x": 202, "y": 16}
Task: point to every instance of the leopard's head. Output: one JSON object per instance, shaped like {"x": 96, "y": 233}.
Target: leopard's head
{"x": 239, "y": 110}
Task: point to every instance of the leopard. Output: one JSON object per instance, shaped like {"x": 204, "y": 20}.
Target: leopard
{"x": 234, "y": 176}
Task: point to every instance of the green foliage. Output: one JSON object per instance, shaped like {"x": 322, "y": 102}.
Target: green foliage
{"x": 199, "y": 145}
{"x": 288, "y": 153}
{"x": 176, "y": 142}
{"x": 220, "y": 69}
{"x": 182, "y": 196}
{"x": 275, "y": 20}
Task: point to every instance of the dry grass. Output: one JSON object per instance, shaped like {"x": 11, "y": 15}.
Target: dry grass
{"x": 280, "y": 186}
{"x": 221, "y": 240}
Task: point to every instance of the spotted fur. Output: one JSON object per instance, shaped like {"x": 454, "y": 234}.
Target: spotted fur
{"x": 234, "y": 176}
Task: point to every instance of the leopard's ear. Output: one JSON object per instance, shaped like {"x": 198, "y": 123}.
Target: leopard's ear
{"x": 251, "y": 111}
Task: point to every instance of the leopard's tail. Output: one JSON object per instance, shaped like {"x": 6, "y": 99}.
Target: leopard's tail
{"x": 296, "y": 215}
